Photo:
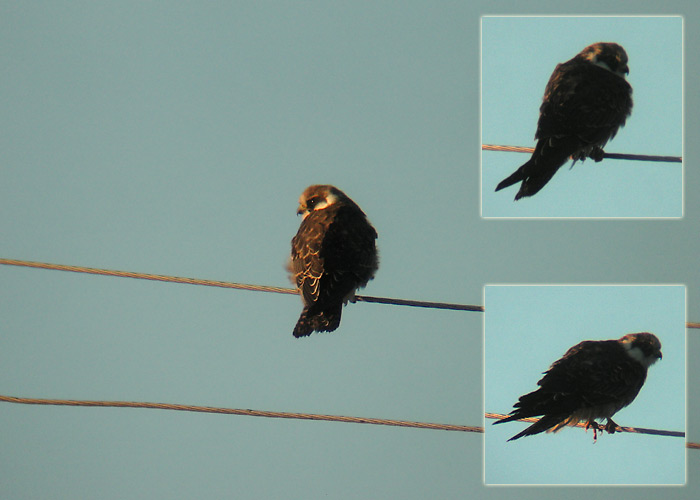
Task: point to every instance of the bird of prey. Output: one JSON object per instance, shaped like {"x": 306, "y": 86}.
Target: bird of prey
{"x": 593, "y": 380}
{"x": 586, "y": 101}
{"x": 333, "y": 254}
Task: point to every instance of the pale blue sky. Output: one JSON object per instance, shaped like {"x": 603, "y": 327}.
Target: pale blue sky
{"x": 175, "y": 138}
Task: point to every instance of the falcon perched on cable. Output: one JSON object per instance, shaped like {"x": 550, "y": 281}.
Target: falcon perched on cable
{"x": 586, "y": 101}
{"x": 593, "y": 380}
{"x": 333, "y": 254}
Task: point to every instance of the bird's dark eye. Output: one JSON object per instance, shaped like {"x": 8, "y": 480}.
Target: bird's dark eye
{"x": 311, "y": 202}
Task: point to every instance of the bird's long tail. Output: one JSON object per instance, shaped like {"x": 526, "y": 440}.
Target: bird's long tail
{"x": 549, "y": 155}
{"x": 319, "y": 320}
{"x": 543, "y": 424}
{"x": 516, "y": 176}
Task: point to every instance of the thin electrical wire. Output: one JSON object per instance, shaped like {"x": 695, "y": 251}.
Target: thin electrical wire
{"x": 299, "y": 416}
{"x": 225, "y": 284}
{"x": 637, "y": 430}
{"x": 241, "y": 286}
{"x": 235, "y": 411}
{"x": 616, "y": 156}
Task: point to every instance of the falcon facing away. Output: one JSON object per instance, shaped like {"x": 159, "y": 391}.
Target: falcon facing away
{"x": 593, "y": 380}
{"x": 333, "y": 254}
{"x": 586, "y": 101}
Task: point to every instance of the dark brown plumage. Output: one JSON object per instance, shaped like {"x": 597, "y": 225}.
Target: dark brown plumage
{"x": 333, "y": 254}
{"x": 586, "y": 101}
{"x": 593, "y": 380}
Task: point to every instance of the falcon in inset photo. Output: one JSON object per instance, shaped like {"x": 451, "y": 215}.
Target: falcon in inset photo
{"x": 333, "y": 255}
{"x": 593, "y": 380}
{"x": 586, "y": 101}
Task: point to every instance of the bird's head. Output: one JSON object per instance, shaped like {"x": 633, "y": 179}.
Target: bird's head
{"x": 607, "y": 55}
{"x": 318, "y": 197}
{"x": 643, "y": 347}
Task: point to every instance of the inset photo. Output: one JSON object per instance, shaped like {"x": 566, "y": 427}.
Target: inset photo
{"x": 582, "y": 117}
{"x": 585, "y": 385}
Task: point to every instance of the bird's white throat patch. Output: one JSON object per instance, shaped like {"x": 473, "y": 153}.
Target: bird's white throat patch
{"x": 638, "y": 355}
{"x": 604, "y": 65}
{"x": 600, "y": 63}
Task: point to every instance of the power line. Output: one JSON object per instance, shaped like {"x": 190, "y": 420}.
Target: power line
{"x": 616, "y": 156}
{"x": 262, "y": 288}
{"x": 242, "y": 286}
{"x": 225, "y": 284}
{"x": 416, "y": 303}
{"x": 636, "y": 430}
{"x": 299, "y": 416}
{"x": 235, "y": 411}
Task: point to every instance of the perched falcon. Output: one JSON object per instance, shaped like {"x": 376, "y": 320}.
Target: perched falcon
{"x": 333, "y": 254}
{"x": 593, "y": 380}
{"x": 586, "y": 101}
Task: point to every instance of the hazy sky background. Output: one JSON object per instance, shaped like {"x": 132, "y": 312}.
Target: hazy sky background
{"x": 175, "y": 139}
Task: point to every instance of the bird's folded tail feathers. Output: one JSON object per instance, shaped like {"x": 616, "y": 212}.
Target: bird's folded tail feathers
{"x": 543, "y": 424}
{"x": 516, "y": 176}
{"x": 549, "y": 155}
{"x": 312, "y": 319}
